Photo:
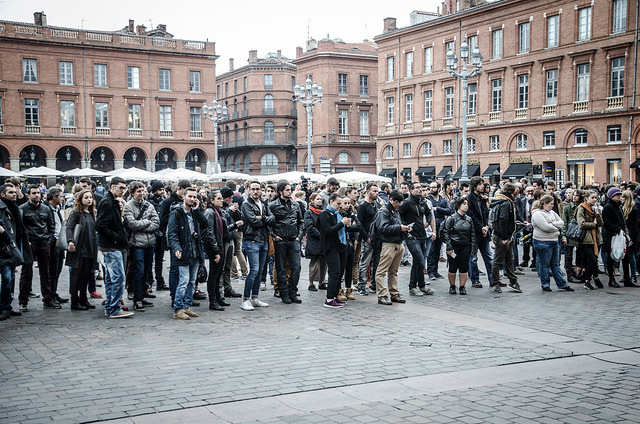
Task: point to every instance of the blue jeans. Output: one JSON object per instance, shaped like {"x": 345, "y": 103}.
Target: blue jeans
{"x": 7, "y": 281}
{"x": 548, "y": 261}
{"x": 186, "y": 285}
{"x": 256, "y": 254}
{"x": 113, "y": 281}
{"x": 418, "y": 250}
{"x": 141, "y": 262}
{"x": 484, "y": 248}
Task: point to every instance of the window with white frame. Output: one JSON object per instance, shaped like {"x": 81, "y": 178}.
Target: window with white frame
{"x": 549, "y": 138}
{"x": 494, "y": 143}
{"x": 195, "y": 115}
{"x": 446, "y": 147}
{"x": 450, "y": 46}
{"x": 580, "y": 137}
{"x": 269, "y": 132}
{"x": 194, "y": 82}
{"x": 448, "y": 102}
{"x": 343, "y": 122}
{"x": 390, "y": 68}
{"x": 406, "y": 150}
{"x": 102, "y": 115}
{"x": 268, "y": 81}
{"x": 496, "y": 52}
{"x": 408, "y": 107}
{"x": 582, "y": 92}
{"x": 67, "y": 113}
{"x": 164, "y": 79}
{"x": 135, "y": 122}
{"x": 390, "y": 109}
{"x": 66, "y": 73}
{"x": 552, "y": 30}
{"x": 619, "y": 16}
{"x": 364, "y": 85}
{"x": 552, "y": 87}
{"x": 524, "y": 37}
{"x": 133, "y": 77}
{"x": 428, "y": 105}
{"x": 584, "y": 24}
{"x": 343, "y": 157}
{"x": 471, "y": 145}
{"x": 364, "y": 122}
{"x": 426, "y": 149}
{"x": 617, "y": 77}
{"x": 523, "y": 91}
{"x": 388, "y": 152}
{"x": 342, "y": 84}
{"x": 496, "y": 95}
{"x": 614, "y": 133}
{"x": 428, "y": 60}
{"x": 268, "y": 103}
{"x": 31, "y": 112}
{"x": 364, "y": 157}
{"x": 100, "y": 75}
{"x": 165, "y": 118}
{"x": 521, "y": 142}
{"x": 472, "y": 41}
{"x": 409, "y": 64}
{"x": 29, "y": 70}
{"x": 269, "y": 164}
{"x": 472, "y": 95}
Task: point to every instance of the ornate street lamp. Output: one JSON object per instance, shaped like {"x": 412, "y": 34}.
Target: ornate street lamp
{"x": 463, "y": 76}
{"x": 68, "y": 155}
{"x": 134, "y": 156}
{"x": 308, "y": 96}
{"x": 103, "y": 156}
{"x": 215, "y": 112}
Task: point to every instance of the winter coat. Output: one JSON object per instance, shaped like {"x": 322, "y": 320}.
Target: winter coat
{"x": 144, "y": 230}
{"x": 73, "y": 258}
{"x": 613, "y": 222}
{"x": 38, "y": 220}
{"x": 459, "y": 229}
{"x": 413, "y": 211}
{"x": 505, "y": 216}
{"x": 179, "y": 234}
{"x": 288, "y": 223}
{"x": 585, "y": 223}
{"x": 314, "y": 237}
{"x": 568, "y": 213}
{"x": 388, "y": 225}
{"x": 16, "y": 230}
{"x": 256, "y": 229}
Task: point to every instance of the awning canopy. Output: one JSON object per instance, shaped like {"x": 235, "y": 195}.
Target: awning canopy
{"x": 517, "y": 170}
{"x": 635, "y": 164}
{"x": 389, "y": 172}
{"x": 472, "y": 171}
{"x": 425, "y": 171}
{"x": 493, "y": 169}
{"x": 405, "y": 171}
{"x": 444, "y": 171}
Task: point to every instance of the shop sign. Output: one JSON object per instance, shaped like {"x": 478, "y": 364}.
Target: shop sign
{"x": 520, "y": 159}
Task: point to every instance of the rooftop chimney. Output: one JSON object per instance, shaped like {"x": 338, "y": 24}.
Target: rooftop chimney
{"x": 162, "y": 27}
{"x": 253, "y": 56}
{"x": 279, "y": 55}
{"x": 40, "y": 19}
{"x": 141, "y": 30}
{"x": 298, "y": 51}
{"x": 389, "y": 24}
{"x": 231, "y": 64}
{"x": 130, "y": 29}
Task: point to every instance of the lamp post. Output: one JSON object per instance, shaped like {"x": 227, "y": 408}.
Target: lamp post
{"x": 215, "y": 112}
{"x": 308, "y": 96}
{"x": 463, "y": 76}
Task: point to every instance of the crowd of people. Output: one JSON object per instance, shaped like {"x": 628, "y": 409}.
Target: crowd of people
{"x": 355, "y": 239}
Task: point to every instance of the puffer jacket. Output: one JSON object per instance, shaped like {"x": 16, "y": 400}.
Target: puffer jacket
{"x": 458, "y": 229}
{"x": 256, "y": 229}
{"x": 288, "y": 220}
{"x": 389, "y": 225}
{"x": 144, "y": 230}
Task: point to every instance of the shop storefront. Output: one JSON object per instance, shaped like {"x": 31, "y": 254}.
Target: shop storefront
{"x": 581, "y": 170}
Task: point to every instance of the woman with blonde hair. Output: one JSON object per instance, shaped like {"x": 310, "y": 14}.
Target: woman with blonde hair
{"x": 631, "y": 218}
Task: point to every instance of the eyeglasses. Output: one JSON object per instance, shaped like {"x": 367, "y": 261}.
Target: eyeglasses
{"x": 122, "y": 187}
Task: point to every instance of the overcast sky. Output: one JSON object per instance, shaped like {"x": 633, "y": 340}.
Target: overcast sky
{"x": 236, "y": 26}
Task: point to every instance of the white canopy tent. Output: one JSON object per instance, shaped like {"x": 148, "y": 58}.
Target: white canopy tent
{"x": 137, "y": 174}
{"x": 85, "y": 172}
{"x": 41, "y": 172}
{"x": 357, "y": 177}
{"x": 183, "y": 174}
{"x": 4, "y": 172}
{"x": 293, "y": 177}
{"x": 229, "y": 175}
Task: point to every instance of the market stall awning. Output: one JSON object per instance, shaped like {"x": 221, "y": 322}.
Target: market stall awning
{"x": 444, "y": 172}
{"x": 517, "y": 170}
{"x": 426, "y": 171}
{"x": 389, "y": 172}
{"x": 472, "y": 171}
{"x": 405, "y": 172}
{"x": 493, "y": 169}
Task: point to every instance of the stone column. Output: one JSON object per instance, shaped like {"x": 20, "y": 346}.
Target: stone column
{"x": 14, "y": 164}
{"x": 118, "y": 163}
{"x": 85, "y": 163}
{"x": 51, "y": 163}
{"x": 151, "y": 165}
{"x": 181, "y": 163}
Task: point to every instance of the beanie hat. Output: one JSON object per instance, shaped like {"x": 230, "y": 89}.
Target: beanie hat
{"x": 613, "y": 191}
{"x": 156, "y": 185}
{"x": 226, "y": 192}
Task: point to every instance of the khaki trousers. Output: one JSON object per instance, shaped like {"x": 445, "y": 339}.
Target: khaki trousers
{"x": 390, "y": 258}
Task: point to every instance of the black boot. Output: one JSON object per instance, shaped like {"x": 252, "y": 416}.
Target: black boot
{"x": 86, "y": 304}
{"x": 214, "y": 306}
{"x": 219, "y": 299}
{"x": 613, "y": 283}
{"x": 75, "y": 306}
{"x": 632, "y": 282}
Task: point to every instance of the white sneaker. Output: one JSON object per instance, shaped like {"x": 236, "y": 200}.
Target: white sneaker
{"x": 246, "y": 306}
{"x": 121, "y": 314}
{"x": 259, "y": 303}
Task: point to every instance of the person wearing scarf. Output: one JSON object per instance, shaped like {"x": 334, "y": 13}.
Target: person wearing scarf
{"x": 313, "y": 249}
{"x": 589, "y": 219}
{"x": 334, "y": 246}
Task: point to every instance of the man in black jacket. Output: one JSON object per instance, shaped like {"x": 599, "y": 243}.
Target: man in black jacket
{"x": 56, "y": 260}
{"x": 479, "y": 213}
{"x": 370, "y": 255}
{"x": 156, "y": 197}
{"x": 38, "y": 220}
{"x": 504, "y": 226}
{"x": 287, "y": 232}
{"x": 441, "y": 209}
{"x": 113, "y": 242}
{"x": 392, "y": 232}
{"x": 414, "y": 211}
{"x": 229, "y": 243}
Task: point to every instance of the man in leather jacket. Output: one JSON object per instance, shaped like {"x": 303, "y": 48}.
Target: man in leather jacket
{"x": 503, "y": 229}
{"x": 156, "y": 197}
{"x": 479, "y": 213}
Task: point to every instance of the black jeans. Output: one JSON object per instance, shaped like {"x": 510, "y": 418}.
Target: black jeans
{"x": 158, "y": 258}
{"x": 287, "y": 251}
{"x": 79, "y": 279}
{"x": 213, "y": 280}
{"x": 56, "y": 262}
{"x": 434, "y": 257}
{"x": 348, "y": 268}
{"x": 336, "y": 263}
{"x": 588, "y": 260}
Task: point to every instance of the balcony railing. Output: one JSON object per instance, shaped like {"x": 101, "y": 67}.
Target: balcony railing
{"x": 494, "y": 116}
{"x": 103, "y": 131}
{"x": 99, "y": 36}
{"x": 32, "y": 129}
{"x": 389, "y": 128}
{"x": 549, "y": 110}
{"x": 68, "y": 130}
{"x": 166, "y": 133}
{"x": 614, "y": 102}
{"x": 581, "y": 106}
{"x": 471, "y": 119}
{"x": 426, "y": 124}
{"x": 27, "y": 29}
{"x": 135, "y": 132}
{"x": 64, "y": 33}
{"x": 131, "y": 39}
{"x": 522, "y": 113}
{"x": 343, "y": 137}
{"x": 365, "y": 138}
{"x": 195, "y": 134}
{"x": 268, "y": 111}
{"x": 164, "y": 42}
{"x": 447, "y": 122}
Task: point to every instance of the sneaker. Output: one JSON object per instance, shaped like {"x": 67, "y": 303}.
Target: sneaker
{"x": 515, "y": 287}
{"x": 476, "y": 284}
{"x": 341, "y": 295}
{"x": 312, "y": 287}
{"x": 598, "y": 283}
{"x": 496, "y": 288}
{"x": 546, "y": 289}
{"x": 349, "y": 294}
{"x": 246, "y": 305}
{"x": 199, "y": 295}
{"x": 181, "y": 315}
{"x": 95, "y": 295}
{"x": 121, "y": 314}
{"x": 405, "y": 263}
{"x": 432, "y": 277}
{"x": 363, "y": 291}
{"x": 138, "y": 306}
{"x": 23, "y": 308}
{"x": 372, "y": 288}
{"x": 34, "y": 295}
{"x": 518, "y": 272}
{"x": 462, "y": 290}
{"x": 149, "y": 295}
{"x": 384, "y": 300}
{"x": 452, "y": 290}
{"x": 129, "y": 296}
{"x": 257, "y": 303}
{"x": 427, "y": 290}
{"x": 52, "y": 304}
{"x": 588, "y": 286}
{"x": 333, "y": 304}
{"x": 566, "y": 288}
{"x": 190, "y": 312}
{"x": 147, "y": 304}
{"x": 439, "y": 276}
{"x": 340, "y": 301}
{"x": 415, "y": 292}
{"x": 322, "y": 286}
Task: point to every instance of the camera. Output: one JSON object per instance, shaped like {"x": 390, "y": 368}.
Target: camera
{"x": 305, "y": 182}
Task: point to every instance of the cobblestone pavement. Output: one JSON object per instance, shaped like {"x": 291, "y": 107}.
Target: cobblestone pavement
{"x": 484, "y": 357}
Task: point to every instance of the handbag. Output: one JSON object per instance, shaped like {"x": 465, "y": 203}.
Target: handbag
{"x": 574, "y": 232}
{"x": 62, "y": 236}
{"x": 9, "y": 253}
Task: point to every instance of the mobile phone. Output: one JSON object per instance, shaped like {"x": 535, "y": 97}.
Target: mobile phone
{"x": 410, "y": 225}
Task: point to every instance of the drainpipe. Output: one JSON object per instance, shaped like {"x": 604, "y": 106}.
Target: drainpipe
{"x": 633, "y": 98}
{"x": 151, "y": 160}
{"x": 398, "y": 115}
{"x": 87, "y": 158}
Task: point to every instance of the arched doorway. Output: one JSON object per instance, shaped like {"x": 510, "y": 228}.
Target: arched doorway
{"x": 165, "y": 158}
{"x": 135, "y": 158}
{"x": 67, "y": 158}
{"x": 32, "y": 156}
{"x": 195, "y": 159}
{"x": 102, "y": 159}
{"x": 4, "y": 157}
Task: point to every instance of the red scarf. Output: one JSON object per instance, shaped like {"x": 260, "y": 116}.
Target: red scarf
{"x": 219, "y": 215}
{"x": 315, "y": 210}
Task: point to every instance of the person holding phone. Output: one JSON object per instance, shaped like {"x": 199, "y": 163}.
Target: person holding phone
{"x": 459, "y": 235}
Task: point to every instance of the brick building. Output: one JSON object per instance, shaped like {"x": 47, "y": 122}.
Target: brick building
{"x": 557, "y": 97}
{"x": 259, "y": 136}
{"x": 76, "y": 98}
{"x": 344, "y": 124}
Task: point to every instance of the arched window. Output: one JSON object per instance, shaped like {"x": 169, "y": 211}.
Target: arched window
{"x": 388, "y": 152}
{"x": 343, "y": 157}
{"x": 238, "y": 163}
{"x": 236, "y": 132}
{"x": 235, "y": 107}
{"x": 521, "y": 142}
{"x": 471, "y": 145}
{"x": 269, "y": 164}
{"x": 580, "y": 136}
{"x": 244, "y": 102}
{"x": 426, "y": 149}
{"x": 269, "y": 135}
{"x": 268, "y": 104}
{"x": 229, "y": 166}
{"x": 246, "y": 131}
{"x": 247, "y": 163}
